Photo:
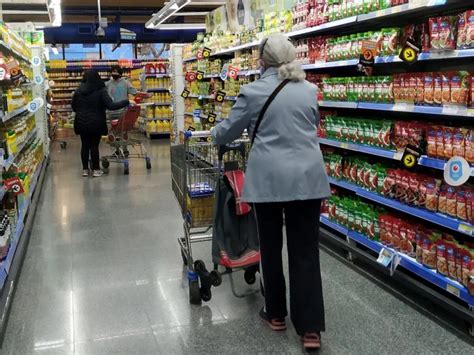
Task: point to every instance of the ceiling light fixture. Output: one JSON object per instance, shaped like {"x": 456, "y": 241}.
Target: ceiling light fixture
{"x": 166, "y": 12}
{"x": 182, "y": 26}
{"x": 54, "y": 10}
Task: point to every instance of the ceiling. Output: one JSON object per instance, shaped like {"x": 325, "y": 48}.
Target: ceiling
{"x": 85, "y": 11}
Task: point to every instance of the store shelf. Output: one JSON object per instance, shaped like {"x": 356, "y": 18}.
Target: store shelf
{"x": 459, "y": 111}
{"x": 65, "y": 89}
{"x": 9, "y": 115}
{"x": 406, "y": 262}
{"x": 338, "y": 104}
{"x": 433, "y": 217}
{"x": 6, "y": 49}
{"x": 157, "y": 118}
{"x": 8, "y": 163}
{"x": 390, "y": 154}
{"x": 61, "y": 109}
{"x": 156, "y": 75}
{"x": 157, "y": 90}
{"x": 5, "y": 265}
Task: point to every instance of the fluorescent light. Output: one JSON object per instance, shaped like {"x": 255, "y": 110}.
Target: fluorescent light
{"x": 24, "y": 12}
{"x": 182, "y": 26}
{"x": 54, "y": 10}
{"x": 166, "y": 12}
{"x": 191, "y": 13}
{"x": 54, "y": 49}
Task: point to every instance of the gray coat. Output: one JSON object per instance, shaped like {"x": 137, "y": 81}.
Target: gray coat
{"x": 285, "y": 162}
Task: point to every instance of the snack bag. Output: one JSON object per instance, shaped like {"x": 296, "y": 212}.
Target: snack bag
{"x": 440, "y": 142}
{"x": 441, "y": 260}
{"x": 459, "y": 88}
{"x": 461, "y": 205}
{"x": 420, "y": 237}
{"x": 451, "y": 201}
{"x": 470, "y": 281}
{"x": 447, "y": 36}
{"x": 442, "y": 199}
{"x": 451, "y": 258}
{"x": 461, "y": 40}
{"x": 438, "y": 89}
{"x": 446, "y": 89}
{"x": 434, "y": 33}
{"x": 469, "y": 146}
{"x": 410, "y": 244}
{"x": 428, "y": 89}
{"x": 458, "y": 258}
{"x": 396, "y": 238}
{"x": 429, "y": 253}
{"x": 431, "y": 195}
{"x": 431, "y": 141}
{"x": 448, "y": 142}
{"x": 458, "y": 135}
{"x": 466, "y": 266}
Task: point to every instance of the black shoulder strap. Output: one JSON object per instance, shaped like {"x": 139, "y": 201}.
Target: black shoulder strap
{"x": 265, "y": 107}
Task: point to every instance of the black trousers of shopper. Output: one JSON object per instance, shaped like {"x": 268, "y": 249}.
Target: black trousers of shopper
{"x": 302, "y": 229}
{"x": 90, "y": 148}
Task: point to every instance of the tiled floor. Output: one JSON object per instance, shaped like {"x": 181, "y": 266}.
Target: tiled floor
{"x": 103, "y": 275}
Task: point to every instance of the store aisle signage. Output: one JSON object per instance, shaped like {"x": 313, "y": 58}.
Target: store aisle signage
{"x": 220, "y": 96}
{"x": 190, "y": 76}
{"x": 200, "y": 75}
{"x": 233, "y": 72}
{"x": 225, "y": 69}
{"x": 409, "y": 52}
{"x": 367, "y": 57}
{"x": 410, "y": 156}
{"x": 457, "y": 171}
{"x": 39, "y": 79}
{"x": 185, "y": 93}
{"x": 206, "y": 52}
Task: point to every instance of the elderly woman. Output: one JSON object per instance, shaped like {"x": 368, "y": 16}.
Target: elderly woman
{"x": 285, "y": 177}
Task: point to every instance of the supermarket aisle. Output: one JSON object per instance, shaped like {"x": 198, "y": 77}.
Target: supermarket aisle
{"x": 103, "y": 275}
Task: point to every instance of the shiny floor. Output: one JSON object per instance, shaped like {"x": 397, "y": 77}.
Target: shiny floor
{"x": 103, "y": 275}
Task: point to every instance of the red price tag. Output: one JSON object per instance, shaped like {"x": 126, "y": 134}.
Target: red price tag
{"x": 233, "y": 72}
{"x": 190, "y": 76}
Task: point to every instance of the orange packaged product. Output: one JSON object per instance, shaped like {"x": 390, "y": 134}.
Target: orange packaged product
{"x": 440, "y": 142}
{"x": 470, "y": 280}
{"x": 445, "y": 89}
{"x": 442, "y": 199}
{"x": 441, "y": 260}
{"x": 396, "y": 238}
{"x": 459, "y": 136}
{"x": 451, "y": 201}
{"x": 459, "y": 83}
{"x": 397, "y": 95}
{"x": 420, "y": 89}
{"x": 412, "y": 88}
{"x": 432, "y": 195}
{"x": 429, "y": 253}
{"x": 451, "y": 259}
{"x": 466, "y": 266}
{"x": 431, "y": 141}
{"x": 461, "y": 205}
{"x": 458, "y": 257}
{"x": 428, "y": 90}
{"x": 438, "y": 89}
{"x": 469, "y": 146}
{"x": 448, "y": 142}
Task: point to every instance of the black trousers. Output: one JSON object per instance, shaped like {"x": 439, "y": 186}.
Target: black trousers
{"x": 302, "y": 229}
{"x": 90, "y": 148}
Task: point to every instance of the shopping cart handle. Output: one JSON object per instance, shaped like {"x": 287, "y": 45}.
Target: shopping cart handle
{"x": 196, "y": 134}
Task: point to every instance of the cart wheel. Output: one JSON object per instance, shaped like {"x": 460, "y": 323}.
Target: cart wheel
{"x": 185, "y": 260}
{"x": 249, "y": 277}
{"x": 126, "y": 170}
{"x": 199, "y": 265}
{"x": 105, "y": 163}
{"x": 194, "y": 292}
{"x": 126, "y": 153}
{"x": 206, "y": 295}
{"x": 105, "y": 171}
{"x": 148, "y": 164}
{"x": 216, "y": 278}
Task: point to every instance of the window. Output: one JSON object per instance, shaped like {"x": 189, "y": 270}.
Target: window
{"x": 125, "y": 51}
{"x": 75, "y": 51}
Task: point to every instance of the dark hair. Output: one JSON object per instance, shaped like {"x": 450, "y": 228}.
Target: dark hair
{"x": 92, "y": 79}
{"x": 116, "y": 68}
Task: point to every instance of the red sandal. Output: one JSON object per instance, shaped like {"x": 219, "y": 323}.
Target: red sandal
{"x": 277, "y": 324}
{"x": 311, "y": 341}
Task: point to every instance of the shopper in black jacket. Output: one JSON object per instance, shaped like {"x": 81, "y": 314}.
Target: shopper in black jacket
{"x": 89, "y": 102}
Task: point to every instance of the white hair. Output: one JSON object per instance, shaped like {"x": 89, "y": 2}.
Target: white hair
{"x": 277, "y": 51}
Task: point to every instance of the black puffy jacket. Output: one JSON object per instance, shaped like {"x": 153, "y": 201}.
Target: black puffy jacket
{"x": 90, "y": 105}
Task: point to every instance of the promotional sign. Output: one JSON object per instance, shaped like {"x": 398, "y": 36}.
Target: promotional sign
{"x": 3, "y": 72}
{"x": 410, "y": 156}
{"x": 14, "y": 185}
{"x": 385, "y": 257}
{"x": 206, "y": 52}
{"x": 199, "y": 55}
{"x": 410, "y": 51}
{"x": 35, "y": 105}
{"x": 211, "y": 117}
{"x": 220, "y": 96}
{"x": 39, "y": 79}
{"x": 457, "y": 171}
{"x": 233, "y": 72}
{"x": 36, "y": 61}
{"x": 224, "y": 71}
{"x": 190, "y": 76}
{"x": 367, "y": 57}
{"x": 200, "y": 75}
{"x": 185, "y": 93}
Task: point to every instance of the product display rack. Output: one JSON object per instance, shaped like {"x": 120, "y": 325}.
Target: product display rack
{"x": 441, "y": 289}
{"x": 24, "y": 156}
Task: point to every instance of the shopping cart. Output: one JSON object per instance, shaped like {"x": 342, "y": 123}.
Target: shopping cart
{"x": 197, "y": 166}
{"x": 123, "y": 146}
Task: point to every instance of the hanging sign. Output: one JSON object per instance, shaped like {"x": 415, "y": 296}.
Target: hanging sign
{"x": 233, "y": 72}
{"x": 224, "y": 71}
{"x": 190, "y": 76}
{"x": 206, "y": 52}
{"x": 410, "y": 156}
{"x": 36, "y": 61}
{"x": 456, "y": 171}
{"x": 35, "y": 105}
{"x": 220, "y": 96}
{"x": 367, "y": 57}
{"x": 14, "y": 185}
{"x": 200, "y": 75}
{"x": 385, "y": 257}
{"x": 410, "y": 51}
{"x": 185, "y": 93}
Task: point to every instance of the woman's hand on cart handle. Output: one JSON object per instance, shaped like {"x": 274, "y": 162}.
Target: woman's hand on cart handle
{"x": 197, "y": 134}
